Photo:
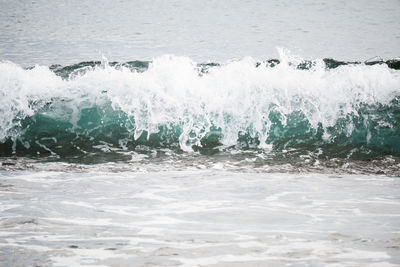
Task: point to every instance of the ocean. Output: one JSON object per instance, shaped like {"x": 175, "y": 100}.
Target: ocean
{"x": 187, "y": 133}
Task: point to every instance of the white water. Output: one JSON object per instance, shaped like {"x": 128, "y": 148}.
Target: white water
{"x": 236, "y": 97}
{"x": 198, "y": 218}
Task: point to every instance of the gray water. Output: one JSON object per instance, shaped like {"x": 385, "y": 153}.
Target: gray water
{"x": 198, "y": 218}
{"x": 52, "y": 32}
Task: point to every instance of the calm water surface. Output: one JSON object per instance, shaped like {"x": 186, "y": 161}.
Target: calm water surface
{"x": 50, "y": 32}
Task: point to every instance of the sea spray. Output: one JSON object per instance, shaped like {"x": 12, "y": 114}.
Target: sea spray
{"x": 174, "y": 102}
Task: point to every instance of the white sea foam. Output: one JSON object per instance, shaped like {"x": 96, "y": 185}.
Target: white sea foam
{"x": 235, "y": 97}
{"x": 210, "y": 217}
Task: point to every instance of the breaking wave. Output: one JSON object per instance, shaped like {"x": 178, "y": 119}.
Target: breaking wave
{"x": 340, "y": 109}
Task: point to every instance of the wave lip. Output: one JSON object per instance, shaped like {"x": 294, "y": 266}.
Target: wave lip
{"x": 325, "y": 106}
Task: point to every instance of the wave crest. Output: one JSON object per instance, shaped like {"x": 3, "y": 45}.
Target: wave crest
{"x": 174, "y": 102}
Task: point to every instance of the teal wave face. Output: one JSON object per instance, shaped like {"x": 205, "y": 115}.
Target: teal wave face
{"x": 375, "y": 130}
{"x": 329, "y": 108}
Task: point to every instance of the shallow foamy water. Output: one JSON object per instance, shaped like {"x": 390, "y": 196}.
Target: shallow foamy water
{"x": 198, "y": 218}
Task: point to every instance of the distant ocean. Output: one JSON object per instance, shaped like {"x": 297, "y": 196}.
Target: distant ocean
{"x": 180, "y": 133}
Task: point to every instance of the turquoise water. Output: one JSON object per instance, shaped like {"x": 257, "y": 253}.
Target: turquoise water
{"x": 277, "y": 109}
